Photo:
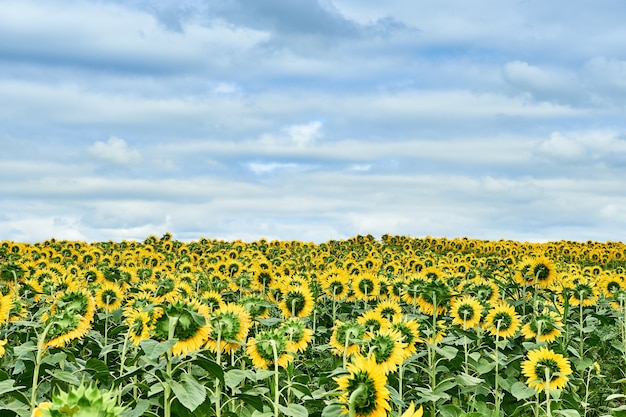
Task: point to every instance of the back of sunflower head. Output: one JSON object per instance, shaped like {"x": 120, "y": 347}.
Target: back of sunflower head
{"x": 81, "y": 401}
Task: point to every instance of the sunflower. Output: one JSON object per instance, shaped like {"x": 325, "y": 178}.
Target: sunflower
{"x": 346, "y": 337}
{"x": 262, "y": 276}
{"x": 466, "y": 312}
{"x": 139, "y": 327}
{"x": 77, "y": 301}
{"x": 297, "y": 301}
{"x": 412, "y": 412}
{"x": 546, "y": 369}
{"x": 230, "y": 325}
{"x": 268, "y": 348}
{"x": 584, "y": 292}
{"x": 364, "y": 386}
{"x": 543, "y": 271}
{"x": 486, "y": 292}
{"x": 409, "y": 331}
{"x": 413, "y": 288}
{"x": 386, "y": 347}
{"x": 335, "y": 284}
{"x": 544, "y": 327}
{"x": 366, "y": 286}
{"x": 186, "y": 321}
{"x": 63, "y": 327}
{"x": 298, "y": 336}
{"x": 212, "y": 299}
{"x": 109, "y": 297}
{"x": 502, "y": 321}
{"x": 256, "y": 305}
{"x": 6, "y": 304}
{"x": 373, "y": 321}
{"x": 388, "y": 309}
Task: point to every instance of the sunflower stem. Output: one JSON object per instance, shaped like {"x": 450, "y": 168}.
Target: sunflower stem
{"x": 497, "y": 359}
{"x": 122, "y": 360}
{"x": 40, "y": 351}
{"x": 167, "y": 390}
{"x": 276, "y": 374}
{"x": 218, "y": 359}
{"x": 547, "y": 390}
{"x": 354, "y": 397}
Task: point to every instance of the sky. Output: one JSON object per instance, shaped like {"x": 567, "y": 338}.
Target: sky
{"x": 312, "y": 120}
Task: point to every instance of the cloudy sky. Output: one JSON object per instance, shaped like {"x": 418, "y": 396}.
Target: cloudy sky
{"x": 312, "y": 119}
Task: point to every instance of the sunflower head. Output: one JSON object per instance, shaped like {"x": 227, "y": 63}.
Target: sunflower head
{"x": 546, "y": 370}
{"x": 364, "y": 389}
{"x": 298, "y": 336}
{"x": 230, "y": 325}
{"x": 268, "y": 348}
{"x": 81, "y": 401}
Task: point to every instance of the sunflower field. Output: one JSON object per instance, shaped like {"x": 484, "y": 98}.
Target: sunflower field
{"x": 363, "y": 327}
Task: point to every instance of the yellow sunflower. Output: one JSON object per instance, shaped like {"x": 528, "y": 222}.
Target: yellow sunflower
{"x": 373, "y": 321}
{"x": 269, "y": 347}
{"x": 546, "y": 369}
{"x": 365, "y": 387}
{"x": 139, "y": 327}
{"x": 298, "y": 336}
{"x": 109, "y": 296}
{"x": 544, "y": 327}
{"x": 409, "y": 330}
{"x": 297, "y": 301}
{"x": 230, "y": 325}
{"x": 187, "y": 321}
{"x": 6, "y": 304}
{"x": 466, "y": 312}
{"x": 346, "y": 337}
{"x": 502, "y": 321}
{"x": 63, "y": 327}
{"x": 366, "y": 286}
{"x": 386, "y": 347}
{"x": 389, "y": 309}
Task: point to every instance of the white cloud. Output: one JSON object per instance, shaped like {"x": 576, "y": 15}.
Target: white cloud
{"x": 115, "y": 150}
{"x": 562, "y": 147}
{"x": 298, "y": 135}
{"x": 266, "y": 168}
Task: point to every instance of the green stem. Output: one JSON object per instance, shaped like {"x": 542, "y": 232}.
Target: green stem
{"x": 167, "y": 390}
{"x": 547, "y": 390}
{"x": 276, "y": 375}
{"x": 354, "y": 397}
{"x": 218, "y": 387}
{"x": 40, "y": 351}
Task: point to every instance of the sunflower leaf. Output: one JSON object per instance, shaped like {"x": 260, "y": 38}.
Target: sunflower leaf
{"x": 294, "y": 410}
{"x": 154, "y": 349}
{"x": 188, "y": 391}
{"x": 521, "y": 391}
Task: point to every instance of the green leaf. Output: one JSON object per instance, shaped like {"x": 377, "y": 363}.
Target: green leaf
{"x": 468, "y": 380}
{"x": 64, "y": 376}
{"x": 7, "y": 386}
{"x": 154, "y": 349}
{"x": 521, "y": 391}
{"x": 615, "y": 396}
{"x": 211, "y": 367}
{"x": 450, "y": 410}
{"x": 188, "y": 391}
{"x": 262, "y": 374}
{"x": 141, "y": 406}
{"x": 253, "y": 400}
{"x": 567, "y": 413}
{"x": 448, "y": 352}
{"x": 54, "y": 359}
{"x": 332, "y": 410}
{"x": 294, "y": 410}
{"x": 234, "y": 377}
